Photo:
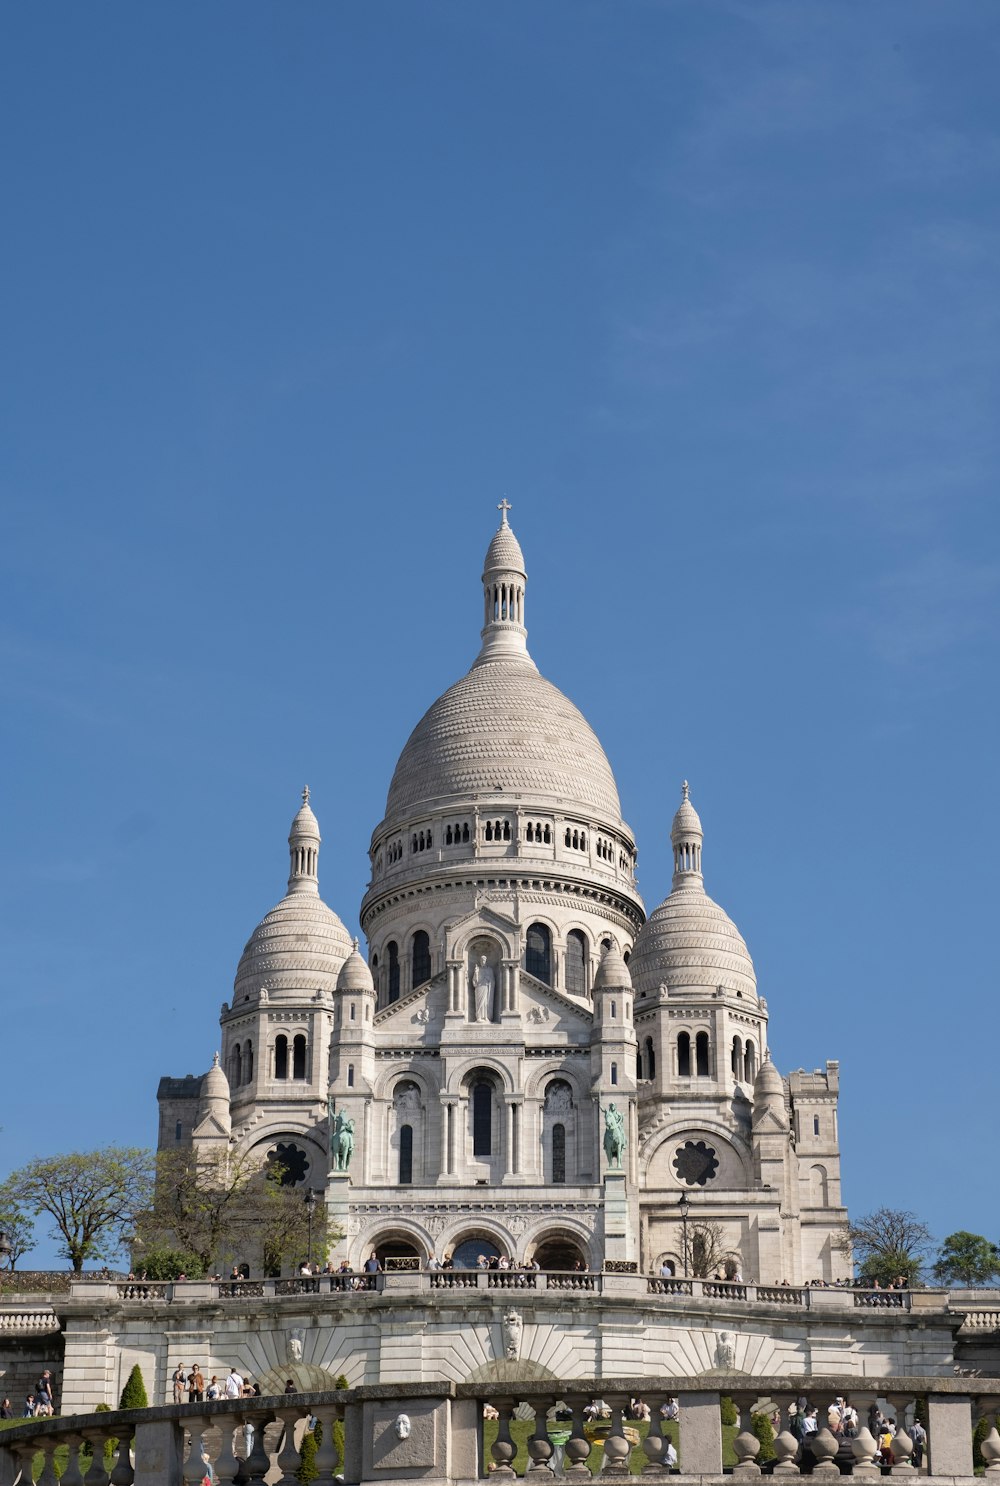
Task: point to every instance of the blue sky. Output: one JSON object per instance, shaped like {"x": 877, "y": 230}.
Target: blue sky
{"x": 293, "y": 295}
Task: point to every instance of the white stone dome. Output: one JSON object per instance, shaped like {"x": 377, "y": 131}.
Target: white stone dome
{"x": 354, "y": 973}
{"x": 501, "y": 731}
{"x": 612, "y": 972}
{"x": 301, "y": 943}
{"x": 690, "y": 943}
{"x": 504, "y": 552}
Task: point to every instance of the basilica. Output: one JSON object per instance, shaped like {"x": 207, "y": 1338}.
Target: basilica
{"x": 524, "y": 1064}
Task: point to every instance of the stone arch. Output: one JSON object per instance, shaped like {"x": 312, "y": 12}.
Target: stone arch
{"x": 468, "y": 1228}
{"x": 459, "y": 1077}
{"x": 538, "y": 1078}
{"x": 387, "y": 1078}
{"x": 395, "y": 1232}
{"x": 463, "y": 942}
{"x": 657, "y": 1173}
{"x": 572, "y": 1231}
{"x": 505, "y": 1371}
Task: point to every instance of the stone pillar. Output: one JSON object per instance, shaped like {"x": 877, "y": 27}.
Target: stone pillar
{"x": 159, "y": 1452}
{"x": 949, "y": 1434}
{"x": 701, "y": 1434}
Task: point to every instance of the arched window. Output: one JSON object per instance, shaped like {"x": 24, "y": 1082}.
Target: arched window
{"x": 701, "y": 1054}
{"x": 558, "y": 1153}
{"x": 350, "y": 1075}
{"x": 482, "y": 1119}
{"x": 614, "y": 1073}
{"x": 818, "y": 1187}
{"x": 750, "y": 1063}
{"x": 684, "y": 1055}
{"x": 421, "y": 957}
{"x": 299, "y": 1057}
{"x": 650, "y": 1059}
{"x": 392, "y": 950}
{"x": 737, "y": 1058}
{"x": 236, "y": 1067}
{"x": 405, "y": 1155}
{"x": 638, "y": 1063}
{"x": 538, "y": 953}
{"x": 576, "y": 963}
{"x": 178, "y": 1130}
{"x": 281, "y": 1056}
{"x": 248, "y": 1062}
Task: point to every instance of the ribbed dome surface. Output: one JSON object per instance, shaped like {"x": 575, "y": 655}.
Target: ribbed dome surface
{"x": 355, "y": 974}
{"x": 301, "y": 942}
{"x": 612, "y": 972}
{"x": 503, "y": 730}
{"x": 690, "y": 943}
{"x": 504, "y": 552}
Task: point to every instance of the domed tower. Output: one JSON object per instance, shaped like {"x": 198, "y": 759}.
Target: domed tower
{"x": 276, "y": 1034}
{"x": 701, "y": 1026}
{"x": 501, "y": 794}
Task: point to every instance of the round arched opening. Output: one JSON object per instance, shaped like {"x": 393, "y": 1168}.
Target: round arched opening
{"x": 466, "y": 1255}
{"x": 397, "y": 1248}
{"x": 560, "y": 1252}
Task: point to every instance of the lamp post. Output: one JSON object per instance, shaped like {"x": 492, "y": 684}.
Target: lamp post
{"x": 684, "y": 1208}
{"x": 310, "y": 1209}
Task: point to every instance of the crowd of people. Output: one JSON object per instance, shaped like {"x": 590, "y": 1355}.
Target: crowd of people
{"x": 191, "y": 1381}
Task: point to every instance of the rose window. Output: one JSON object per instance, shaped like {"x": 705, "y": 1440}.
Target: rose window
{"x": 696, "y": 1163}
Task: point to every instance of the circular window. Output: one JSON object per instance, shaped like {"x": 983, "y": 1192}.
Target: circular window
{"x": 288, "y": 1163}
{"x": 696, "y": 1163}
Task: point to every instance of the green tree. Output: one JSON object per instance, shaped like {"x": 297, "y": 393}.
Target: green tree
{"x": 967, "y": 1259}
{"x": 18, "y": 1225}
{"x": 93, "y": 1198}
{"x": 161, "y": 1262}
{"x": 134, "y": 1392}
{"x": 728, "y": 1410}
{"x": 308, "y": 1469}
{"x": 761, "y": 1426}
{"x": 338, "y": 1427}
{"x": 887, "y": 1243}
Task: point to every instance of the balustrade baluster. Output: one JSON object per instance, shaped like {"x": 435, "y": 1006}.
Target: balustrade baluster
{"x": 616, "y": 1447}
{"x": 97, "y": 1475}
{"x": 288, "y": 1458}
{"x": 654, "y": 1446}
{"x": 825, "y": 1447}
{"x": 72, "y": 1475}
{"x": 867, "y": 1456}
{"x": 258, "y": 1462}
{"x": 195, "y": 1470}
{"x": 48, "y": 1475}
{"x": 326, "y": 1455}
{"x": 540, "y": 1447}
{"x": 577, "y": 1448}
{"x": 786, "y": 1449}
{"x": 122, "y": 1473}
{"x": 901, "y": 1449}
{"x": 746, "y": 1447}
{"x": 990, "y": 1449}
{"x": 502, "y": 1448}
{"x": 228, "y": 1466}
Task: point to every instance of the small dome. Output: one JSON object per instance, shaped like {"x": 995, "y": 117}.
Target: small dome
{"x": 215, "y": 1084}
{"x": 612, "y": 972}
{"x": 504, "y": 552}
{"x": 691, "y": 944}
{"x": 300, "y": 946}
{"x": 768, "y": 1084}
{"x": 305, "y": 823}
{"x": 687, "y": 821}
{"x": 354, "y": 973}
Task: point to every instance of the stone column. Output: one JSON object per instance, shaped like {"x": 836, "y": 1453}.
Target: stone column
{"x": 949, "y": 1434}
{"x": 701, "y": 1434}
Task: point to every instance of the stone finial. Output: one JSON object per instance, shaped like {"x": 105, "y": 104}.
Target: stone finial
{"x": 355, "y": 942}
{"x": 305, "y": 795}
{"x": 215, "y": 1061}
{"x": 685, "y": 790}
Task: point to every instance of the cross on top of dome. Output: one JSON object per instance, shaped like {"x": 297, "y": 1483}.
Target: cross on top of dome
{"x": 503, "y": 508}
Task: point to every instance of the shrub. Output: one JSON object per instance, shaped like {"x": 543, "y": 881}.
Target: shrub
{"x": 308, "y": 1469}
{"x": 980, "y": 1432}
{"x": 728, "y": 1410}
{"x": 338, "y": 1428}
{"x": 161, "y": 1262}
{"x": 134, "y": 1392}
{"x": 761, "y": 1426}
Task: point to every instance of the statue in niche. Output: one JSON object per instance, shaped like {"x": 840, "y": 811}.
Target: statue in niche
{"x": 725, "y": 1351}
{"x": 614, "y": 1135}
{"x": 511, "y": 1327}
{"x": 293, "y": 1346}
{"x": 483, "y": 983}
{"x": 558, "y": 1099}
{"x": 407, "y": 1099}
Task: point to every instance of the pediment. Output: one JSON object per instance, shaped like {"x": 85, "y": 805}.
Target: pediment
{"x": 485, "y": 916}
{"x": 542, "y": 1005}
{"x": 417, "y": 1008}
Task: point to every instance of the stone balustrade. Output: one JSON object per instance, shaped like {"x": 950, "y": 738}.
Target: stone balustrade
{"x": 413, "y": 1281}
{"x": 28, "y": 1323}
{"x": 436, "y": 1432}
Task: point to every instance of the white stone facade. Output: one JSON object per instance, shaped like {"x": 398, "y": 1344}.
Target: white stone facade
{"x": 479, "y": 1110}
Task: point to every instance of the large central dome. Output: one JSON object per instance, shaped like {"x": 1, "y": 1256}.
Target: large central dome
{"x": 503, "y": 730}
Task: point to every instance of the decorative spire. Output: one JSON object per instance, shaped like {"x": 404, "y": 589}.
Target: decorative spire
{"x": 687, "y": 836}
{"x": 504, "y": 580}
{"x": 215, "y": 1061}
{"x": 303, "y": 847}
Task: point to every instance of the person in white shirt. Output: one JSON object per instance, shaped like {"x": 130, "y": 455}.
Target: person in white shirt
{"x": 670, "y": 1456}
{"x": 234, "y": 1384}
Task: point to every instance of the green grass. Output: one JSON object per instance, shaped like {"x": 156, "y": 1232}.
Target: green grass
{"x": 521, "y": 1431}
